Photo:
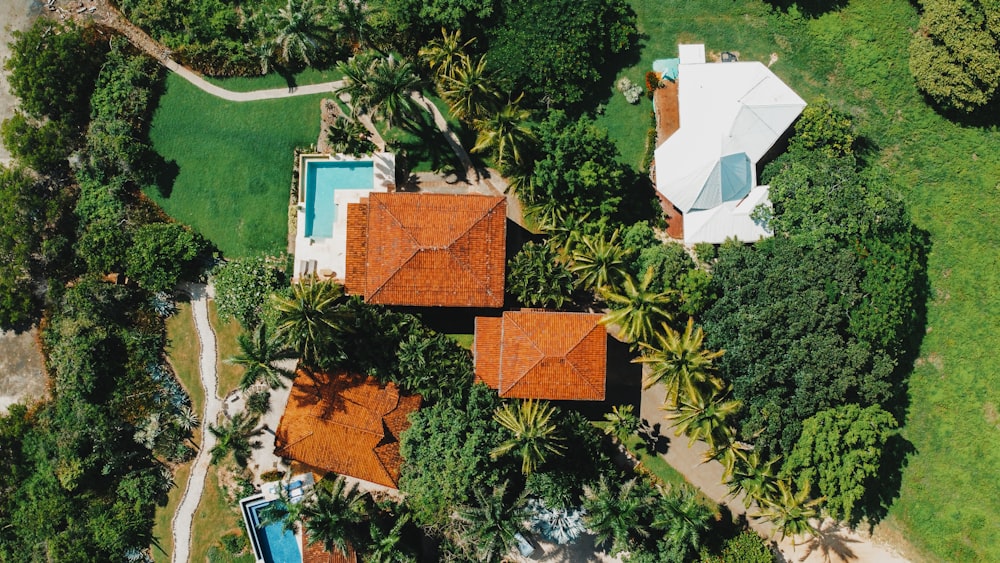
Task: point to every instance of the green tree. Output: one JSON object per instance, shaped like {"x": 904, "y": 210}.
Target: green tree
{"x": 242, "y": 287}
{"x": 536, "y": 278}
{"x": 617, "y": 514}
{"x": 258, "y": 354}
{"x": 599, "y": 261}
{"x": 622, "y": 422}
{"x": 43, "y": 146}
{"x": 234, "y": 437}
{"x": 685, "y": 521}
{"x": 380, "y": 85}
{"x": 756, "y": 478}
{"x": 680, "y": 362}
{"x": 792, "y": 511}
{"x": 840, "y": 452}
{"x": 388, "y": 544}
{"x": 506, "y": 134}
{"x": 705, "y": 417}
{"x": 442, "y": 55}
{"x": 161, "y": 253}
{"x": 432, "y": 365}
{"x": 20, "y": 211}
{"x": 351, "y": 23}
{"x": 637, "y": 310}
{"x": 535, "y": 435}
{"x": 955, "y": 54}
{"x": 53, "y": 67}
{"x": 825, "y": 129}
{"x": 299, "y": 30}
{"x": 335, "y": 517}
{"x": 309, "y": 320}
{"x": 283, "y": 510}
{"x": 487, "y": 527}
{"x": 470, "y": 91}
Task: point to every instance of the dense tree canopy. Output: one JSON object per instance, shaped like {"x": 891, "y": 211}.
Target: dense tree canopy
{"x": 161, "y": 253}
{"x": 20, "y": 211}
{"x": 242, "y": 287}
{"x": 955, "y": 54}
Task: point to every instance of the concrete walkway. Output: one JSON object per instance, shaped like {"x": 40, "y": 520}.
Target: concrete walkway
{"x": 184, "y": 517}
{"x": 842, "y": 543}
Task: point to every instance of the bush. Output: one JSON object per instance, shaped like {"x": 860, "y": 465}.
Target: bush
{"x": 536, "y": 277}
{"x": 259, "y": 402}
{"x": 631, "y": 91}
{"x": 243, "y": 286}
{"x": 161, "y": 253}
{"x": 747, "y": 547}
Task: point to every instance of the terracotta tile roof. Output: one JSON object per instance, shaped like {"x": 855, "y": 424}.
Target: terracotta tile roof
{"x": 543, "y": 355}
{"x": 347, "y": 424}
{"x": 316, "y": 553}
{"x": 428, "y": 249}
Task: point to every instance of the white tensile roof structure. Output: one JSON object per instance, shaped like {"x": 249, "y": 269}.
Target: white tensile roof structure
{"x": 731, "y": 114}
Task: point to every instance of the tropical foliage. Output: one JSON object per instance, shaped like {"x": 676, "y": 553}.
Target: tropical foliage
{"x": 308, "y": 320}
{"x": 637, "y": 310}
{"x": 243, "y": 286}
{"x": 534, "y": 437}
{"x": 258, "y": 354}
{"x": 537, "y": 278}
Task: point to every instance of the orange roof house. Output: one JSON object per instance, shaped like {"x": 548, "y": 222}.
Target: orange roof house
{"x": 427, "y": 250}
{"x": 543, "y": 355}
{"x": 347, "y": 424}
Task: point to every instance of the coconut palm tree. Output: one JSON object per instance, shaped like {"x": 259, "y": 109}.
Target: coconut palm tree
{"x": 705, "y": 417}
{"x": 309, "y": 320}
{"x": 442, "y": 55}
{"x": 757, "y": 479}
{"x": 535, "y": 436}
{"x": 282, "y": 510}
{"x": 636, "y": 309}
{"x": 350, "y": 20}
{"x": 599, "y": 262}
{"x": 387, "y": 545}
{"x": 684, "y": 519}
{"x": 791, "y": 512}
{"x": 680, "y": 362}
{"x": 381, "y": 86}
{"x": 471, "y": 93}
{"x": 616, "y": 515}
{"x": 622, "y": 422}
{"x": 565, "y": 230}
{"x": 335, "y": 517}
{"x": 257, "y": 356}
{"x": 487, "y": 528}
{"x": 299, "y": 30}
{"x": 233, "y": 436}
{"x": 506, "y": 134}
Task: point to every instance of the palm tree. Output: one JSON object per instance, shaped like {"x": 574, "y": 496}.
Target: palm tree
{"x": 334, "y": 517}
{"x": 616, "y": 516}
{"x": 282, "y": 510}
{"x": 622, "y": 422}
{"x": 488, "y": 528}
{"x": 233, "y": 437}
{"x": 300, "y": 30}
{"x": 599, "y": 262}
{"x": 684, "y": 519}
{"x": 350, "y": 19}
{"x": 637, "y": 310}
{"x": 705, "y": 417}
{"x": 379, "y": 85}
{"x": 471, "y": 93}
{"x": 443, "y": 55}
{"x": 506, "y": 134}
{"x": 681, "y": 363}
{"x": 387, "y": 545}
{"x": 257, "y": 356}
{"x": 791, "y": 512}
{"x": 534, "y": 435}
{"x": 757, "y": 479}
{"x": 564, "y": 229}
{"x": 309, "y": 320}
{"x": 186, "y": 419}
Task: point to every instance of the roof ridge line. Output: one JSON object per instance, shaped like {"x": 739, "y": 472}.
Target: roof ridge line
{"x": 541, "y": 354}
{"x": 403, "y": 228}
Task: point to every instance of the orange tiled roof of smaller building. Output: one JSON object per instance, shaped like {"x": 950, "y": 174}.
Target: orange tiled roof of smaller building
{"x": 347, "y": 424}
{"x": 429, "y": 250}
{"x": 316, "y": 553}
{"x": 543, "y": 355}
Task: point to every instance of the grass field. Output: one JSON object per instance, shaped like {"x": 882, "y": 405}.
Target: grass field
{"x": 948, "y": 173}
{"x": 225, "y": 342}
{"x": 233, "y": 164}
{"x": 183, "y": 353}
{"x": 214, "y": 518}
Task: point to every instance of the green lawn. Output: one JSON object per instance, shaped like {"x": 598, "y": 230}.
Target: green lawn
{"x": 227, "y": 346}
{"x": 233, "y": 164}
{"x": 183, "y": 353}
{"x": 857, "y": 57}
{"x": 214, "y": 518}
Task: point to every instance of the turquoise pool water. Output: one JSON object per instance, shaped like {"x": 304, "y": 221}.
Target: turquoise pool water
{"x": 323, "y": 179}
{"x": 276, "y": 545}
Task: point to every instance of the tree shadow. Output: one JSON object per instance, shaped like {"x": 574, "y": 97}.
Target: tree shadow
{"x": 603, "y": 90}
{"x": 830, "y": 540}
{"x": 653, "y": 440}
{"x": 883, "y": 490}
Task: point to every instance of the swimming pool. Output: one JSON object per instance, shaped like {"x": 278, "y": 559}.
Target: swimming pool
{"x": 271, "y": 542}
{"x": 323, "y": 178}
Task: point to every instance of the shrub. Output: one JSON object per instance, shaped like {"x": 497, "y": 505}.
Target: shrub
{"x": 631, "y": 91}
{"x": 234, "y": 543}
{"x": 259, "y": 402}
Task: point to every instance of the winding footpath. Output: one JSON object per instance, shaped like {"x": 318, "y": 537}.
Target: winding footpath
{"x": 184, "y": 517}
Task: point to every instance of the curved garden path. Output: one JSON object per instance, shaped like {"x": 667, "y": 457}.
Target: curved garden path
{"x": 184, "y": 517}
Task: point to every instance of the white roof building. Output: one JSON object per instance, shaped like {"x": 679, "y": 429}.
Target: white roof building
{"x": 731, "y": 114}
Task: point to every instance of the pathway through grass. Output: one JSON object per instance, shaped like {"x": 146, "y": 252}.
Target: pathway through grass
{"x": 948, "y": 173}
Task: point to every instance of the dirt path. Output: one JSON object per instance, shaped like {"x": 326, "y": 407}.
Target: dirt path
{"x": 184, "y": 517}
{"x": 843, "y": 544}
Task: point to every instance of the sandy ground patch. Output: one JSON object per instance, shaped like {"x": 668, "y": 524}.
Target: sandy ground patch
{"x": 14, "y": 14}
{"x": 22, "y": 377}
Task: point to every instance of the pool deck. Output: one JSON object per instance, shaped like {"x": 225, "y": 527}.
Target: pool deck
{"x": 327, "y": 257}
